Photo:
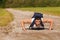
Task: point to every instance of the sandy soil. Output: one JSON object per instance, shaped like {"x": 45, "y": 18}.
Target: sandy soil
{"x": 17, "y": 34}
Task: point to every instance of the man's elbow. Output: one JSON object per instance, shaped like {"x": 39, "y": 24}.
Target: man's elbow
{"x": 51, "y": 21}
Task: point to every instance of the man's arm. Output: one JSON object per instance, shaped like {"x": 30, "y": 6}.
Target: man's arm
{"x": 23, "y": 22}
{"x": 22, "y": 25}
{"x": 50, "y": 21}
{"x": 51, "y": 24}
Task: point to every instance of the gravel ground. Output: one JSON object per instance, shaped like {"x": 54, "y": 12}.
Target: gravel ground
{"x": 17, "y": 34}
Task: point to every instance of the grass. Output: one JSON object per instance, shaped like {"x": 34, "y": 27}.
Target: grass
{"x": 46, "y": 10}
{"x": 5, "y": 17}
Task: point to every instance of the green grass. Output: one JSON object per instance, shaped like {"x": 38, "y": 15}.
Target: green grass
{"x": 46, "y": 10}
{"x": 5, "y": 17}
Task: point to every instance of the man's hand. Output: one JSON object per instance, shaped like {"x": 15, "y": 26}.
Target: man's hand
{"x": 24, "y": 29}
{"x": 49, "y": 29}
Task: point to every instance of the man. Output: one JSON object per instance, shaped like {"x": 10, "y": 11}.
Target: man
{"x": 37, "y": 15}
{"x": 37, "y": 22}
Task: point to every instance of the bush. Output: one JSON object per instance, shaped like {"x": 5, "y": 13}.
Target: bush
{"x": 30, "y": 3}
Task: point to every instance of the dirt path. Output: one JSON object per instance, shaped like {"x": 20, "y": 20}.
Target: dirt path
{"x": 17, "y": 34}
{"x": 18, "y": 15}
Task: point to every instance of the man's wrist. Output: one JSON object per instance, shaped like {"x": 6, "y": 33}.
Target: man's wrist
{"x": 49, "y": 28}
{"x": 23, "y": 29}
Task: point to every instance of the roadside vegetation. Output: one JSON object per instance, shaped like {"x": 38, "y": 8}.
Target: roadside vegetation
{"x": 46, "y": 10}
{"x": 5, "y": 17}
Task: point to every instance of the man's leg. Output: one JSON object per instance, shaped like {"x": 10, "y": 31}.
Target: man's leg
{"x": 32, "y": 24}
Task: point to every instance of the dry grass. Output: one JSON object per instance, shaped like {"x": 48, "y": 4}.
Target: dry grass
{"x": 5, "y": 17}
{"x": 46, "y": 10}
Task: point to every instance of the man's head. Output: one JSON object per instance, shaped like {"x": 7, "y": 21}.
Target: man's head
{"x": 37, "y": 21}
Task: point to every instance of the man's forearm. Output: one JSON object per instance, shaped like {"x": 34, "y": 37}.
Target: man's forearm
{"x": 23, "y": 25}
{"x": 51, "y": 25}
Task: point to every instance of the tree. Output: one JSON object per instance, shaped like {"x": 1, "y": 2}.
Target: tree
{"x": 30, "y": 3}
